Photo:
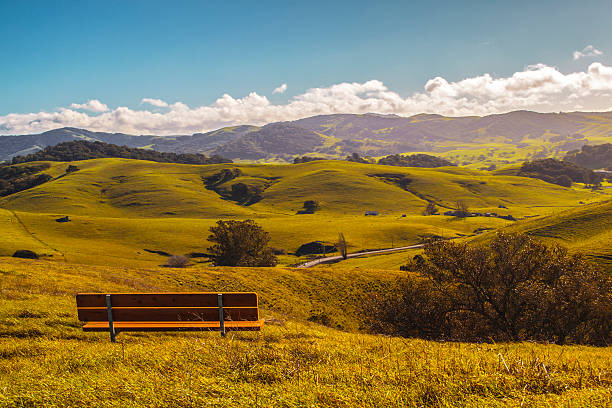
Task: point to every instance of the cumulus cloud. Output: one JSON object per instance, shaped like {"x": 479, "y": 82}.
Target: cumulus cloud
{"x": 588, "y": 51}
{"x": 281, "y": 89}
{"x": 92, "y": 105}
{"x": 155, "y": 102}
{"x": 537, "y": 87}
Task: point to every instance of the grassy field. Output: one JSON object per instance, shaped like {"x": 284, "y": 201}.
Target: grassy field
{"x": 122, "y": 208}
{"x": 587, "y": 229}
{"x": 46, "y": 360}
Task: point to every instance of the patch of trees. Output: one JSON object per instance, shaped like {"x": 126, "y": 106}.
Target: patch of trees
{"x": 515, "y": 289}
{"x": 592, "y": 157}
{"x": 306, "y": 159}
{"x": 246, "y": 194}
{"x": 400, "y": 180}
{"x": 415, "y": 160}
{"x": 84, "y": 150}
{"x": 356, "y": 158}
{"x": 310, "y": 206}
{"x": 563, "y": 173}
{"x": 240, "y": 243}
{"x": 14, "y": 179}
{"x": 220, "y": 177}
{"x": 242, "y": 193}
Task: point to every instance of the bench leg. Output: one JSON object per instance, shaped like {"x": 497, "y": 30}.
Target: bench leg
{"x": 109, "y": 310}
{"x": 221, "y": 317}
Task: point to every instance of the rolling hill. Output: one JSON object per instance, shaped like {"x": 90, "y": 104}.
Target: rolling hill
{"x": 586, "y": 229}
{"x": 479, "y": 141}
{"x": 121, "y": 209}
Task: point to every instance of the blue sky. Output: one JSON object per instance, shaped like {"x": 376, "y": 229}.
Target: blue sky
{"x": 56, "y": 53}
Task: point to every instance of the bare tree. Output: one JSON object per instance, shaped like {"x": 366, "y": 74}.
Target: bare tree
{"x": 431, "y": 209}
{"x": 462, "y": 208}
{"x": 341, "y": 245}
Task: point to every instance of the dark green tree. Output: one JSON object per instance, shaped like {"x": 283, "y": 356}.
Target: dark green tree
{"x": 240, "y": 243}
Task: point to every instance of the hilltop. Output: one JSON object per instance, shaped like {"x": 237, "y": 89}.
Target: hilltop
{"x": 479, "y": 141}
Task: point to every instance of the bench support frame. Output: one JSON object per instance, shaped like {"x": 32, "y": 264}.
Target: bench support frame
{"x": 109, "y": 310}
{"x": 221, "y": 317}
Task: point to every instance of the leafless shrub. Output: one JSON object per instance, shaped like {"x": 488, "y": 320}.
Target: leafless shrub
{"x": 177, "y": 261}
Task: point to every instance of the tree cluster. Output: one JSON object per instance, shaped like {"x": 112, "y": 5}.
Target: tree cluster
{"x": 415, "y": 160}
{"x": 306, "y": 159}
{"x": 356, "y": 158}
{"x": 592, "y": 157}
{"x": 563, "y": 173}
{"x": 309, "y": 207}
{"x": 84, "y": 150}
{"x": 515, "y": 289}
{"x": 240, "y": 243}
{"x": 18, "y": 178}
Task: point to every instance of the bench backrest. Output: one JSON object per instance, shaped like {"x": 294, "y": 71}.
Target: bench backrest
{"x": 168, "y": 307}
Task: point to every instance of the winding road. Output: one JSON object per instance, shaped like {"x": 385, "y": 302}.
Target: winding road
{"x": 336, "y": 258}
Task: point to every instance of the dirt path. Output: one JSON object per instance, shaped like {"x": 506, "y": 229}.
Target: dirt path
{"x": 25, "y": 228}
{"x": 337, "y": 258}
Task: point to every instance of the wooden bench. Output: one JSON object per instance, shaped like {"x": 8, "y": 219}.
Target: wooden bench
{"x": 195, "y": 311}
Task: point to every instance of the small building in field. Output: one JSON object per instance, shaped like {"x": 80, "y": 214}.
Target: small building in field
{"x": 371, "y": 213}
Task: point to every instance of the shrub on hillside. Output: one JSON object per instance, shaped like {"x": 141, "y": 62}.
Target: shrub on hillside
{"x": 515, "y": 289}
{"x": 240, "y": 243}
{"x": 430, "y": 209}
{"x": 25, "y": 254}
{"x": 315, "y": 248}
{"x": 177, "y": 261}
{"x": 310, "y": 206}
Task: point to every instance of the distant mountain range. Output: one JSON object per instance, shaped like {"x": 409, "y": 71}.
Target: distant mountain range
{"x": 339, "y": 135}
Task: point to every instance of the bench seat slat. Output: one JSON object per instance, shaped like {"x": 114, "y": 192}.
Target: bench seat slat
{"x": 174, "y": 326}
{"x": 170, "y": 299}
{"x": 143, "y": 314}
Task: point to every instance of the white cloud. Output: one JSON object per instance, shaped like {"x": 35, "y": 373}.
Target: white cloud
{"x": 538, "y": 87}
{"x": 588, "y": 51}
{"x": 155, "y": 102}
{"x": 92, "y": 105}
{"x": 281, "y": 89}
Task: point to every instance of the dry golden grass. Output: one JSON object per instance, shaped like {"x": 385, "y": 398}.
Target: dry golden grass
{"x": 46, "y": 360}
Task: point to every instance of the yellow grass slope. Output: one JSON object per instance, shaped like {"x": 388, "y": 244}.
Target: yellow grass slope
{"x": 587, "y": 229}
{"x": 46, "y": 359}
{"x": 122, "y": 187}
{"x": 121, "y": 208}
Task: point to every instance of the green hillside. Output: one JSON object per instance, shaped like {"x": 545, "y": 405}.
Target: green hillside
{"x": 586, "y": 229}
{"x": 120, "y": 208}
